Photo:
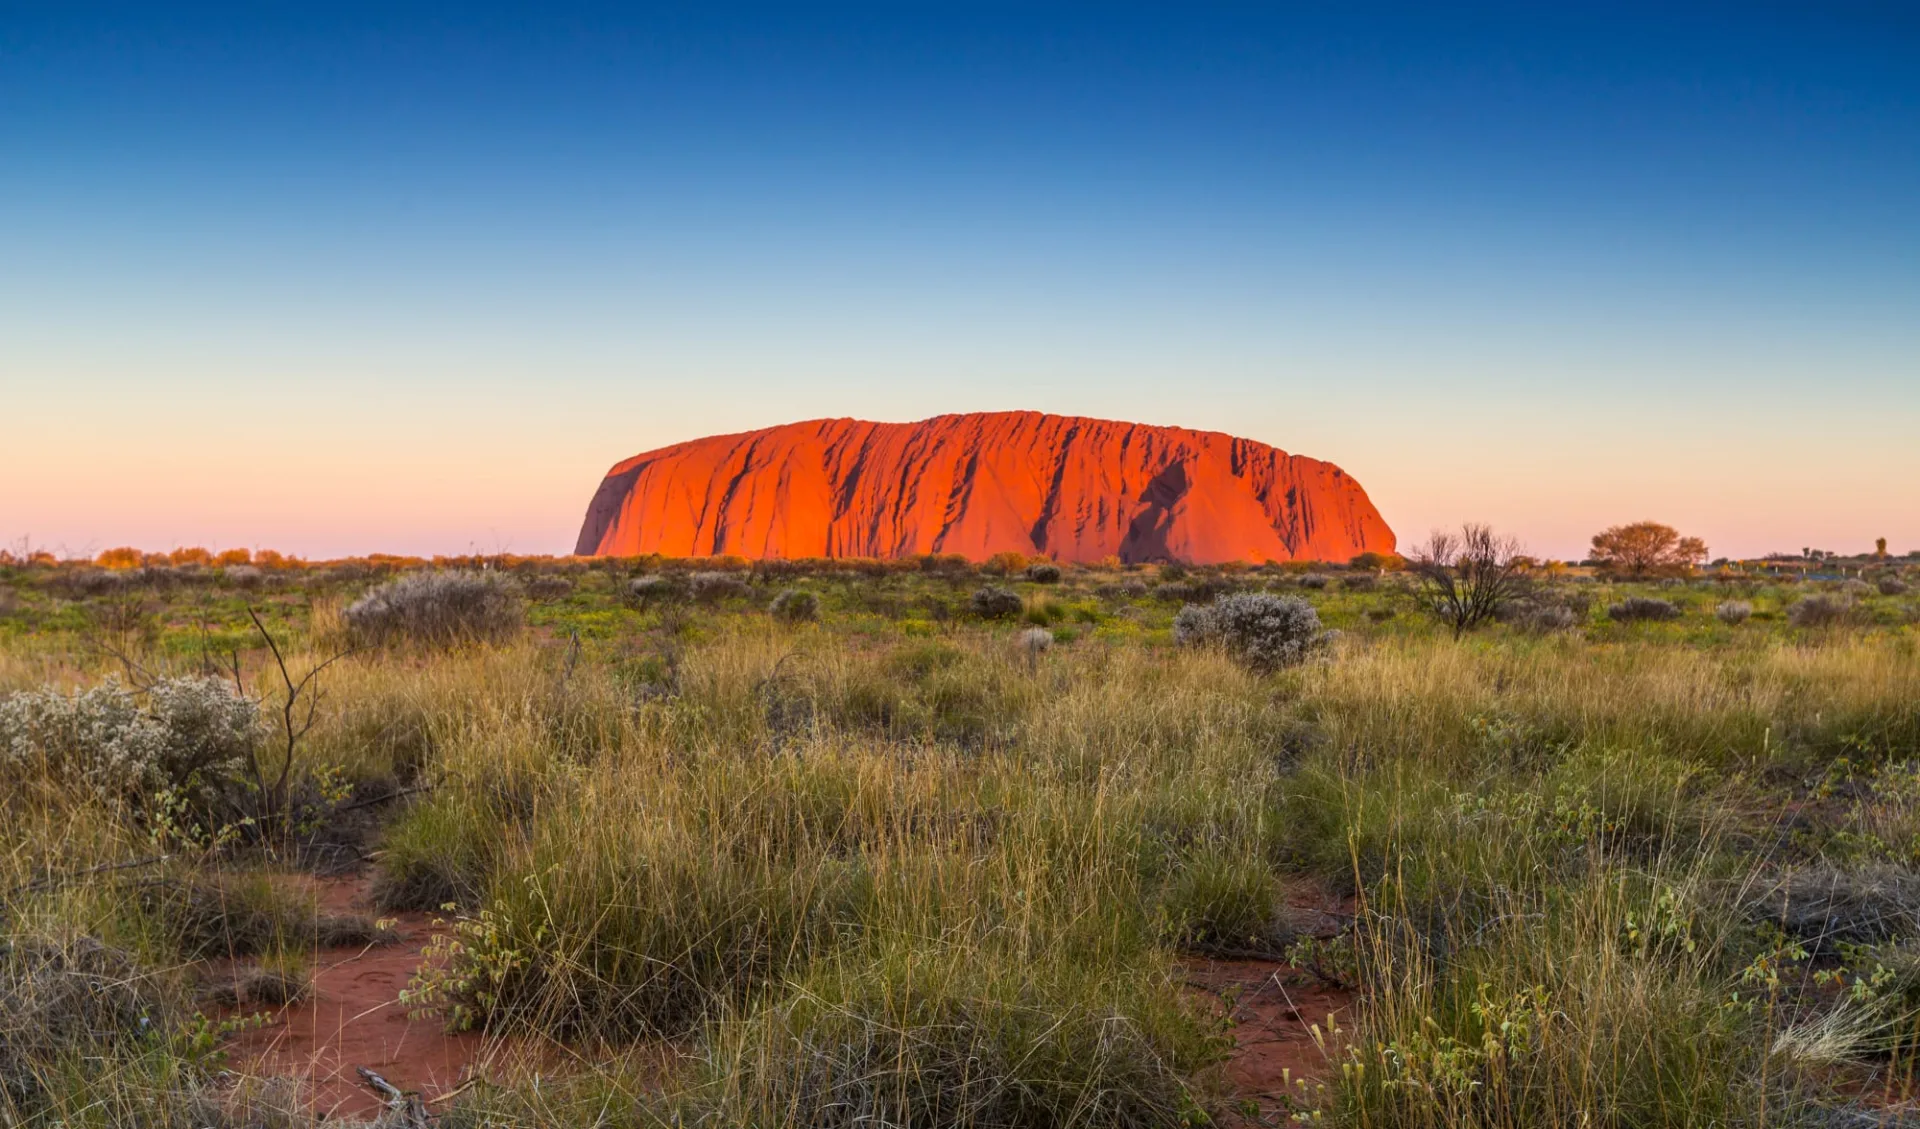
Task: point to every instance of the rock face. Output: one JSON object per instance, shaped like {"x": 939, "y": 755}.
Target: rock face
{"x": 1062, "y": 486}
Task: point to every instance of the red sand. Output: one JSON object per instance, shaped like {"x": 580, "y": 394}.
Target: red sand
{"x": 1063, "y": 486}
{"x": 1274, "y": 1009}
{"x": 354, "y": 1018}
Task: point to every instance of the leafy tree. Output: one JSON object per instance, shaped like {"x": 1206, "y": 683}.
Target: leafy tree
{"x": 1647, "y": 548}
{"x": 123, "y": 557}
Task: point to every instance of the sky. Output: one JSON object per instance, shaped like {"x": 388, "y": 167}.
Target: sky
{"x": 345, "y": 278}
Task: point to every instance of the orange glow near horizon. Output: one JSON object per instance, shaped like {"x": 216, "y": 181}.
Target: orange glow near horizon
{"x": 528, "y": 494}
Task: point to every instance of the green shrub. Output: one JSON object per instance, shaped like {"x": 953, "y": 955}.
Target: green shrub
{"x": 1637, "y": 608}
{"x": 714, "y": 587}
{"x": 438, "y": 854}
{"x": 796, "y": 606}
{"x": 1043, "y": 572}
{"x": 246, "y": 915}
{"x": 996, "y": 603}
{"x": 1222, "y": 901}
{"x": 655, "y": 589}
{"x": 926, "y": 1040}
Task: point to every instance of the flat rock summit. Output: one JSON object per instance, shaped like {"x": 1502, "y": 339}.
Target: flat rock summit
{"x": 1070, "y": 488}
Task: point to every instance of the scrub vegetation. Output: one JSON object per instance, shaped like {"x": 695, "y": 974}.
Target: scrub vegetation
{"x": 922, "y": 843}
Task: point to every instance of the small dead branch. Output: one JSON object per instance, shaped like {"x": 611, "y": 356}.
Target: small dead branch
{"x": 409, "y": 1110}
{"x": 295, "y": 724}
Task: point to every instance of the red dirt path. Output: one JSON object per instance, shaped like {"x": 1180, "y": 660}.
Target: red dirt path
{"x": 1274, "y": 1010}
{"x": 353, "y": 1017}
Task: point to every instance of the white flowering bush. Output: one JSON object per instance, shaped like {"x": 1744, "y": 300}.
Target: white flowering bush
{"x": 1265, "y": 632}
{"x": 190, "y": 737}
{"x": 438, "y": 609}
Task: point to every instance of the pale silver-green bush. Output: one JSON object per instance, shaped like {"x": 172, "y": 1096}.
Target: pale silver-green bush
{"x": 713, "y": 587}
{"x": 193, "y": 736}
{"x": 796, "y": 605}
{"x": 438, "y": 609}
{"x": 1820, "y": 611}
{"x": 1265, "y": 632}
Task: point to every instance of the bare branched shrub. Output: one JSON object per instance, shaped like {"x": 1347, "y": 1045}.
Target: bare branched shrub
{"x": 1821, "y": 611}
{"x": 1636, "y": 608}
{"x": 1313, "y": 581}
{"x": 1265, "y": 632}
{"x": 1467, "y": 577}
{"x": 996, "y": 603}
{"x": 1734, "y": 612}
{"x": 438, "y": 609}
{"x": 1892, "y": 586}
{"x": 192, "y": 737}
{"x": 796, "y": 605}
{"x": 713, "y": 587}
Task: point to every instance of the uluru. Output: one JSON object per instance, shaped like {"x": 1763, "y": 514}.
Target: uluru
{"x": 1066, "y": 487}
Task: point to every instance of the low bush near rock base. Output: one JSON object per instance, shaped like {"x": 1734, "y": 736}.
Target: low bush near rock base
{"x": 438, "y": 609}
{"x": 1265, "y": 632}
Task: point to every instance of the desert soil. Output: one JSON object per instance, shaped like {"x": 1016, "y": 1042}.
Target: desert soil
{"x": 353, "y": 1017}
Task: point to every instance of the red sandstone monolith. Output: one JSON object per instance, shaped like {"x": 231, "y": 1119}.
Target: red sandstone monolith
{"x": 1070, "y": 488}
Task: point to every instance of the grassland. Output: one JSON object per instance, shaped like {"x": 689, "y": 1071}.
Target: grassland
{"x": 898, "y": 865}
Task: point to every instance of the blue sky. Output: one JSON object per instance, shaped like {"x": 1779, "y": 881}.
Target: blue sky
{"x": 350, "y": 278}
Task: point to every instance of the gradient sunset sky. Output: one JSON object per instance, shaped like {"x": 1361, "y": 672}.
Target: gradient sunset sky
{"x": 339, "y": 278}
